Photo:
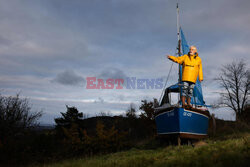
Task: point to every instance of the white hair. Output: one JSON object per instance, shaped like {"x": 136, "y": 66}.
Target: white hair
{"x": 193, "y": 47}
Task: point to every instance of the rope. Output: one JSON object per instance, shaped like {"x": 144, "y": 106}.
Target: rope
{"x": 166, "y": 82}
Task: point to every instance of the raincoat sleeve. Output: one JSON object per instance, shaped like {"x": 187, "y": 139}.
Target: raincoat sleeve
{"x": 178, "y": 60}
{"x": 200, "y": 72}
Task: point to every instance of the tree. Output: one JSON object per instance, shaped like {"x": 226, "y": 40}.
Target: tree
{"x": 130, "y": 113}
{"x": 234, "y": 78}
{"x": 16, "y": 116}
{"x": 71, "y": 116}
{"x": 148, "y": 108}
{"x": 104, "y": 139}
{"x": 148, "y": 115}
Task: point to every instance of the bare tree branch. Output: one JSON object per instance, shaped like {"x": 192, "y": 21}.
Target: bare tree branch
{"x": 234, "y": 79}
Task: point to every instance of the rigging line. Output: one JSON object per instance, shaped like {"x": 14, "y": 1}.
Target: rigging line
{"x": 166, "y": 82}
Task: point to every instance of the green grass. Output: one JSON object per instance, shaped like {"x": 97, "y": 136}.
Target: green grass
{"x": 233, "y": 151}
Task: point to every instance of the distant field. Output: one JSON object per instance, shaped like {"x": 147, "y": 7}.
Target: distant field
{"x": 233, "y": 150}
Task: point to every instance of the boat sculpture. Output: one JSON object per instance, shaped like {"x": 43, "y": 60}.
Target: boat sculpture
{"x": 173, "y": 119}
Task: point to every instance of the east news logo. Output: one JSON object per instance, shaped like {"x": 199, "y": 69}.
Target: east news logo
{"x": 128, "y": 83}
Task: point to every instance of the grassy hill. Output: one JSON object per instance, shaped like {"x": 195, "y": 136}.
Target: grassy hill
{"x": 230, "y": 150}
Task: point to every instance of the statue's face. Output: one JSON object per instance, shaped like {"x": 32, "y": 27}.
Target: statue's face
{"x": 192, "y": 50}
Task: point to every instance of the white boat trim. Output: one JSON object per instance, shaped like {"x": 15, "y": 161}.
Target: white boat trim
{"x": 182, "y": 132}
{"x": 163, "y": 113}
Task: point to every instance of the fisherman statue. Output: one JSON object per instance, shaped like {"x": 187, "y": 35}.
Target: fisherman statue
{"x": 191, "y": 69}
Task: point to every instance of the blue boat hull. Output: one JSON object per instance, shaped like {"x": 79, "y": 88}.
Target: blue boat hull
{"x": 183, "y": 122}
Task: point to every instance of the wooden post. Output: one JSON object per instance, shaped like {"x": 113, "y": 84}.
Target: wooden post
{"x": 214, "y": 124}
{"x": 179, "y": 140}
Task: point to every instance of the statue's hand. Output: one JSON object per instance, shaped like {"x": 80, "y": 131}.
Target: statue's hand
{"x": 168, "y": 56}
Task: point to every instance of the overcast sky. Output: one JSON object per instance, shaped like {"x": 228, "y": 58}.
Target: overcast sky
{"x": 49, "y": 47}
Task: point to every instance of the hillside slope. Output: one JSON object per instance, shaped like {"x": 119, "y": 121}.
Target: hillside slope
{"x": 233, "y": 150}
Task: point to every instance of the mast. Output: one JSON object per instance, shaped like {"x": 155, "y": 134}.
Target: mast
{"x": 179, "y": 46}
{"x": 178, "y": 29}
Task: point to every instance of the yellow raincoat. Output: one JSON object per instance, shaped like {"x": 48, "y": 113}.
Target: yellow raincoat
{"x": 192, "y": 67}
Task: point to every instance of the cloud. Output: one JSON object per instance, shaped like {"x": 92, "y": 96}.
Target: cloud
{"x": 4, "y": 41}
{"x": 112, "y": 39}
{"x": 69, "y": 77}
{"x": 100, "y": 100}
{"x": 113, "y": 73}
{"x": 222, "y": 15}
